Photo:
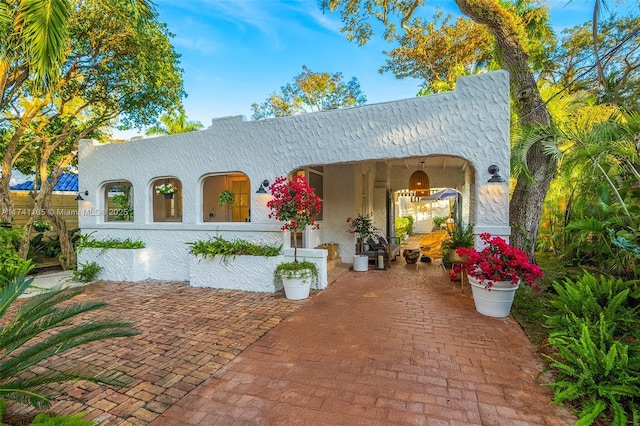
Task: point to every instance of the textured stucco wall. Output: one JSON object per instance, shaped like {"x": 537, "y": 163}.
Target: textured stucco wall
{"x": 472, "y": 123}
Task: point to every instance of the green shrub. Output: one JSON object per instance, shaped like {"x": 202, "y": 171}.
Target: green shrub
{"x": 404, "y": 227}
{"x": 11, "y": 264}
{"x": 87, "y": 241}
{"x": 218, "y": 246}
{"x": 599, "y": 373}
{"x": 594, "y": 330}
{"x": 47, "y": 420}
{"x": 87, "y": 272}
{"x": 587, "y": 299}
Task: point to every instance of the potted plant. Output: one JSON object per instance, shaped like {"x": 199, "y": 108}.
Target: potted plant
{"x": 495, "y": 273}
{"x": 166, "y": 189}
{"x": 462, "y": 236}
{"x": 41, "y": 226}
{"x": 295, "y": 204}
{"x": 362, "y": 227}
{"x": 226, "y": 197}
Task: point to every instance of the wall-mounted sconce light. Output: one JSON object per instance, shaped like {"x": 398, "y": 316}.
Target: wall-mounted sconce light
{"x": 79, "y": 197}
{"x": 495, "y": 176}
{"x": 263, "y": 186}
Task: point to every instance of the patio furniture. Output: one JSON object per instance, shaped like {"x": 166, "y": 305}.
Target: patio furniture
{"x": 380, "y": 244}
{"x": 431, "y": 246}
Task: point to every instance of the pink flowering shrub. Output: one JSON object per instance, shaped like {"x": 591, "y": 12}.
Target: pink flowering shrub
{"x": 498, "y": 261}
{"x": 295, "y": 203}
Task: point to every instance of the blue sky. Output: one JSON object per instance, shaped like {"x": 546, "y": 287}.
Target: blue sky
{"x": 238, "y": 52}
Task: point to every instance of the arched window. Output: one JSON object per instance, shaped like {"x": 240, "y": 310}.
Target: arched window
{"x": 226, "y": 198}
{"x": 167, "y": 200}
{"x": 118, "y": 201}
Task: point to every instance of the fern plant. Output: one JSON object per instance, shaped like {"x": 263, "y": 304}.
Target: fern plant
{"x": 587, "y": 299}
{"x": 87, "y": 272}
{"x": 42, "y": 328}
{"x": 598, "y": 372}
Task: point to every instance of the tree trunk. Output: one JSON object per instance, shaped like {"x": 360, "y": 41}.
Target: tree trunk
{"x": 5, "y": 199}
{"x": 529, "y": 194}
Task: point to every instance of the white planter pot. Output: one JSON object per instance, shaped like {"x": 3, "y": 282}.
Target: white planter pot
{"x": 360, "y": 263}
{"x": 496, "y": 301}
{"x": 297, "y": 288}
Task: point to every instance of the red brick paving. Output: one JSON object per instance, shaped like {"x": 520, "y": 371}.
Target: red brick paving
{"x": 395, "y": 347}
{"x": 399, "y": 347}
{"x": 187, "y": 334}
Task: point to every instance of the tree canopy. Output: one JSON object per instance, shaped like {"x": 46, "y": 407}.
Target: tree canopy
{"x": 311, "y": 91}
{"x": 117, "y": 64}
{"x": 174, "y": 123}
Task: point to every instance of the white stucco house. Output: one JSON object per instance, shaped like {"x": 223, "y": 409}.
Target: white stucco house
{"x": 358, "y": 159}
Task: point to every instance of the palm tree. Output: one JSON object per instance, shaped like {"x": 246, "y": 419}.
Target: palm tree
{"x": 171, "y": 124}
{"x": 34, "y": 31}
{"x": 40, "y": 329}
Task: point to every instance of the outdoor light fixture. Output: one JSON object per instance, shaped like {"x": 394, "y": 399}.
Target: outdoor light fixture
{"x": 263, "y": 185}
{"x": 79, "y": 197}
{"x": 495, "y": 176}
{"x": 419, "y": 182}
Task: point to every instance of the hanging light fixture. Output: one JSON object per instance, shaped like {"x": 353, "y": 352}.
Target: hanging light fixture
{"x": 419, "y": 182}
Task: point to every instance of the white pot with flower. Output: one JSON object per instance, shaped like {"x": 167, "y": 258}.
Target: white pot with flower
{"x": 166, "y": 189}
{"x": 362, "y": 227}
{"x": 295, "y": 204}
{"x": 495, "y": 273}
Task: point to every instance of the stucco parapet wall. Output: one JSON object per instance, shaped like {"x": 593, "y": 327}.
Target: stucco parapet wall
{"x": 471, "y": 122}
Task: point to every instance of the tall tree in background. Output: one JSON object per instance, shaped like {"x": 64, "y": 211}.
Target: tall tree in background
{"x": 309, "y": 92}
{"x": 36, "y": 34}
{"x": 174, "y": 123}
{"x": 510, "y": 30}
{"x": 123, "y": 67}
{"x": 619, "y": 43}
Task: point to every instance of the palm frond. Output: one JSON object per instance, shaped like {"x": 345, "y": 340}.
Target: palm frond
{"x": 42, "y": 25}
{"x": 526, "y": 138}
{"x": 41, "y": 329}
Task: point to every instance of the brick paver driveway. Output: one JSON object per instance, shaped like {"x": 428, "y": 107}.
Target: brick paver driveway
{"x": 187, "y": 334}
{"x": 397, "y": 347}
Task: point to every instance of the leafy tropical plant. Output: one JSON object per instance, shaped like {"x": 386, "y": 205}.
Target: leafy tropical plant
{"x": 174, "y": 123}
{"x": 11, "y": 264}
{"x": 301, "y": 269}
{"x": 218, "y": 246}
{"x": 362, "y": 226}
{"x": 87, "y": 272}
{"x": 588, "y": 299}
{"x": 462, "y": 236}
{"x": 87, "y": 241}
{"x": 404, "y": 227}
{"x": 599, "y": 373}
{"x": 226, "y": 197}
{"x": 438, "y": 221}
{"x": 44, "y": 419}
{"x": 41, "y": 328}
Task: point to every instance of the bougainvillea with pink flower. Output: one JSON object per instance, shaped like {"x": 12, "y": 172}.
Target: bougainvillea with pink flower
{"x": 295, "y": 203}
{"x": 498, "y": 261}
